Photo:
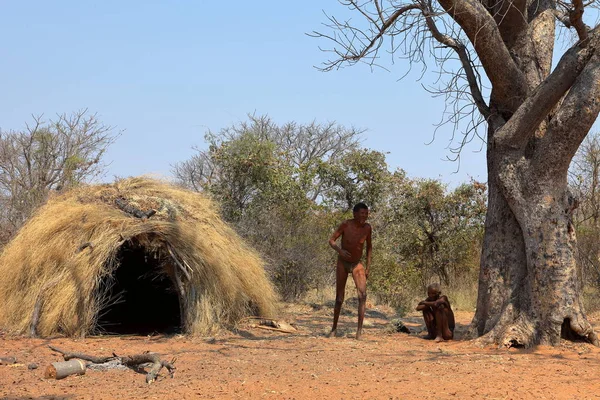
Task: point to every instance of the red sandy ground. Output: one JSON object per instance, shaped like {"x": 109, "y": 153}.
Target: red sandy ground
{"x": 260, "y": 364}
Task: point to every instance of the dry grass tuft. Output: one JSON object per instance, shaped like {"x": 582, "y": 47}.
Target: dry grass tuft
{"x": 45, "y": 264}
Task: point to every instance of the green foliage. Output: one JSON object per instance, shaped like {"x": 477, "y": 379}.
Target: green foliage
{"x": 248, "y": 169}
{"x": 425, "y": 233}
{"x": 286, "y": 188}
{"x": 359, "y": 175}
{"x": 269, "y": 182}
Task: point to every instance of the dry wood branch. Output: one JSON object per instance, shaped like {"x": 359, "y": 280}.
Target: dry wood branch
{"x": 38, "y": 306}
{"x": 93, "y": 359}
{"x": 84, "y": 246}
{"x": 576, "y": 19}
{"x": 273, "y": 325}
{"x": 182, "y": 298}
{"x": 129, "y": 209}
{"x": 135, "y": 362}
{"x": 270, "y": 328}
{"x": 157, "y": 364}
{"x": 466, "y": 62}
{"x": 368, "y": 42}
{"x": 179, "y": 264}
{"x": 508, "y": 82}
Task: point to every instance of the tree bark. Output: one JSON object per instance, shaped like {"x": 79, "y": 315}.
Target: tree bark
{"x": 529, "y": 288}
{"x": 529, "y": 284}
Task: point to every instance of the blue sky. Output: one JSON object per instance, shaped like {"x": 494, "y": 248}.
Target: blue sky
{"x": 165, "y": 72}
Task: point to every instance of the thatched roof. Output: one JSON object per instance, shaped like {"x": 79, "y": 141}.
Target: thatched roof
{"x": 53, "y": 274}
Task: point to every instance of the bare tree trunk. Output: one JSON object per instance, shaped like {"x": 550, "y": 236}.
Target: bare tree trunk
{"x": 502, "y": 280}
{"x": 529, "y": 284}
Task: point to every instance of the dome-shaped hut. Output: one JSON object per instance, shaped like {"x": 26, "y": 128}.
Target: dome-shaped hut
{"x": 136, "y": 256}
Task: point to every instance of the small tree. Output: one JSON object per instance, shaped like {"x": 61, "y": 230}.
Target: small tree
{"x": 46, "y": 156}
{"x": 267, "y": 180}
{"x": 358, "y": 175}
{"x": 429, "y": 233}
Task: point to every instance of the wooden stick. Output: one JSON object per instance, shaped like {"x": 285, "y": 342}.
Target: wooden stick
{"x": 84, "y": 246}
{"x": 271, "y": 329}
{"x": 172, "y": 253}
{"x": 62, "y": 369}
{"x": 95, "y": 360}
{"x": 38, "y": 306}
{"x": 182, "y": 299}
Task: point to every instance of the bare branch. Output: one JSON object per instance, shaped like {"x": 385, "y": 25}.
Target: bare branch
{"x": 576, "y": 19}
{"x": 465, "y": 60}
{"x": 369, "y": 42}
{"x": 509, "y": 83}
{"x": 573, "y": 120}
{"x": 49, "y": 156}
{"x": 519, "y": 129}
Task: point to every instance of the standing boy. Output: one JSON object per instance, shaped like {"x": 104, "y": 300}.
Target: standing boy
{"x": 354, "y": 232}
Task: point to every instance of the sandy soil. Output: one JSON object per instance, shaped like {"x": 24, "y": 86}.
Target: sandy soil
{"x": 259, "y": 364}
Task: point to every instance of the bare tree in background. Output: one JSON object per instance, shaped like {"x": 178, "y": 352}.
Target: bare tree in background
{"x": 584, "y": 179}
{"x": 304, "y": 147}
{"x": 536, "y": 117}
{"x": 54, "y": 155}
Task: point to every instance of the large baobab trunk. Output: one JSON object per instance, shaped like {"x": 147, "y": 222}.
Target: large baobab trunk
{"x": 529, "y": 284}
{"x": 529, "y": 289}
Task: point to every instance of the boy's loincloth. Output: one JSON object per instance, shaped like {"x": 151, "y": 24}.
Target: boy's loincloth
{"x": 349, "y": 265}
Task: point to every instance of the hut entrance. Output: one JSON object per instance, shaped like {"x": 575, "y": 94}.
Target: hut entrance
{"x": 141, "y": 297}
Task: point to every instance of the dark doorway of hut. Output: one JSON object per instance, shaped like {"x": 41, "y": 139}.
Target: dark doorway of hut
{"x": 141, "y": 298}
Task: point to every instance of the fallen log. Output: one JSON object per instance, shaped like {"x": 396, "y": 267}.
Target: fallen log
{"x": 62, "y": 369}
{"x": 273, "y": 325}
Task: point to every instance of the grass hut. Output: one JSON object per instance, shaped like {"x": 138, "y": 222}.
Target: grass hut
{"x": 136, "y": 256}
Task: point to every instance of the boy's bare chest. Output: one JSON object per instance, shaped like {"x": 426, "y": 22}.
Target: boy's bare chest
{"x": 356, "y": 236}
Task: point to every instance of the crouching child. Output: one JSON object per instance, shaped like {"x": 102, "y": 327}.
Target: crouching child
{"x": 437, "y": 313}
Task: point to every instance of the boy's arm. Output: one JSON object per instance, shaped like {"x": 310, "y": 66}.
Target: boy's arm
{"x": 332, "y": 240}
{"x": 441, "y": 300}
{"x": 369, "y": 251}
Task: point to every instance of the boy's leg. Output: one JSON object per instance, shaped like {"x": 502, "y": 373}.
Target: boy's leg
{"x": 429, "y": 318}
{"x": 340, "y": 288}
{"x": 441, "y": 321}
{"x": 360, "y": 280}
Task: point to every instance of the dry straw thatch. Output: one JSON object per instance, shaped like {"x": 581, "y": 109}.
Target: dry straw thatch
{"x": 53, "y": 274}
